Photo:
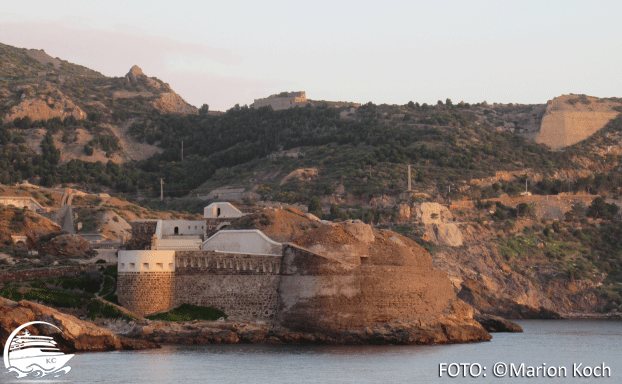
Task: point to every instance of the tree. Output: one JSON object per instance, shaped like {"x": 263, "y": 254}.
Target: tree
{"x": 315, "y": 206}
{"x": 88, "y": 150}
{"x": 600, "y": 209}
{"x": 203, "y": 110}
{"x": 411, "y": 105}
{"x": 448, "y": 102}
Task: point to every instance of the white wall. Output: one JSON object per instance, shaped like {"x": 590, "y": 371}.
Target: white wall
{"x": 177, "y": 244}
{"x": 226, "y": 211}
{"x": 185, "y": 227}
{"x": 146, "y": 261}
{"x": 251, "y": 241}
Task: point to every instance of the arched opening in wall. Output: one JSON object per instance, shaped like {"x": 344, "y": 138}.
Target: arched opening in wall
{"x": 176, "y": 231}
{"x": 222, "y": 225}
{"x": 21, "y": 244}
{"x": 218, "y": 212}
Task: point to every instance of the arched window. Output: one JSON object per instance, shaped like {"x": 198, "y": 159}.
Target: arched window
{"x": 218, "y": 212}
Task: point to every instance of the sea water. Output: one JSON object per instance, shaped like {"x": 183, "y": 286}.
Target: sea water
{"x": 549, "y": 345}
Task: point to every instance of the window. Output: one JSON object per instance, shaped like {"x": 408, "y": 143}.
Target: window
{"x": 218, "y": 212}
{"x": 176, "y": 231}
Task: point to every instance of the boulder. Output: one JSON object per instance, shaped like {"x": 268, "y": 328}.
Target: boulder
{"x": 493, "y": 323}
{"x": 67, "y": 245}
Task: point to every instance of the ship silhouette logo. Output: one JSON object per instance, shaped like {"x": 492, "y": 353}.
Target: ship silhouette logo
{"x": 34, "y": 356}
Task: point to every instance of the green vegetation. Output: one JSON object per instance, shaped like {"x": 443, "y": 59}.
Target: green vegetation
{"x": 47, "y": 296}
{"x": 189, "y": 312}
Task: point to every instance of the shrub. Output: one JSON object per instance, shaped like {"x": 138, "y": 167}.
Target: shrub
{"x": 189, "y": 312}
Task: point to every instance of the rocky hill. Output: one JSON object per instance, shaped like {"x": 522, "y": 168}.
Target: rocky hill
{"x": 39, "y": 93}
{"x": 504, "y": 196}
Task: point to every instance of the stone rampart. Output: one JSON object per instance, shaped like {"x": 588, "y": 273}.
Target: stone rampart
{"x": 568, "y": 121}
{"x": 282, "y": 101}
{"x": 324, "y": 295}
{"x": 238, "y": 284}
{"x": 142, "y": 232}
{"x": 146, "y": 292}
{"x": 44, "y": 273}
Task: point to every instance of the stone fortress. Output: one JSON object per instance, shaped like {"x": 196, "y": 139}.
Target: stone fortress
{"x": 570, "y": 119}
{"x": 356, "y": 277}
{"x": 283, "y": 100}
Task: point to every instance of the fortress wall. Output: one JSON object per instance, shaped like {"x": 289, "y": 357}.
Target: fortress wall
{"x": 146, "y": 281}
{"x": 142, "y": 231}
{"x": 146, "y": 292}
{"x": 561, "y": 128}
{"x": 184, "y": 227}
{"x": 318, "y": 295}
{"x": 238, "y": 284}
{"x": 21, "y": 202}
{"x": 249, "y": 241}
{"x": 282, "y": 102}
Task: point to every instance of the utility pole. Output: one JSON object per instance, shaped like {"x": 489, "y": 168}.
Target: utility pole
{"x": 409, "y": 182}
{"x": 161, "y": 189}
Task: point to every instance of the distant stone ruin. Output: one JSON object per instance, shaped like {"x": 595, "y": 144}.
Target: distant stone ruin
{"x": 283, "y": 100}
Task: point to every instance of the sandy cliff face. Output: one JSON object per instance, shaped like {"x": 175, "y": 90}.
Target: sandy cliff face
{"x": 570, "y": 119}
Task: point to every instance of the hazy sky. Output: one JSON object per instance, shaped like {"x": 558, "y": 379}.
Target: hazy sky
{"x": 228, "y": 52}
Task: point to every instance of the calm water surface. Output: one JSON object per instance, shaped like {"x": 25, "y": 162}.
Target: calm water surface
{"x": 554, "y": 343}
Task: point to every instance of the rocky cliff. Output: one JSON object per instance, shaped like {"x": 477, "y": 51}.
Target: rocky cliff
{"x": 76, "y": 336}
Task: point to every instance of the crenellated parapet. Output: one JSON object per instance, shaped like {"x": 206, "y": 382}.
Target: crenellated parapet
{"x": 146, "y": 280}
{"x": 221, "y": 263}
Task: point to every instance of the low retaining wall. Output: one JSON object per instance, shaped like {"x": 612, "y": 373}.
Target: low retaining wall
{"x": 43, "y": 273}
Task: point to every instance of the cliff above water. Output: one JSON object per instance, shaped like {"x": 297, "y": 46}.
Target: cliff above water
{"x": 76, "y": 336}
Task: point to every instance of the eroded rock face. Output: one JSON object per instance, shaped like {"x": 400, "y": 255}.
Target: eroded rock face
{"x": 444, "y": 234}
{"x": 76, "y": 336}
{"x": 42, "y": 102}
{"x": 439, "y": 227}
{"x": 68, "y": 245}
{"x": 432, "y": 213}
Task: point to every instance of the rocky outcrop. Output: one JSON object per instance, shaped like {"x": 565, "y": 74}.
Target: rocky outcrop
{"x": 31, "y": 225}
{"x": 41, "y": 102}
{"x": 166, "y": 101}
{"x": 444, "y": 234}
{"x": 570, "y": 119}
{"x": 44, "y": 58}
{"x": 497, "y": 324}
{"x": 76, "y": 336}
{"x": 439, "y": 227}
{"x": 173, "y": 103}
{"x": 231, "y": 332}
{"x": 67, "y": 245}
